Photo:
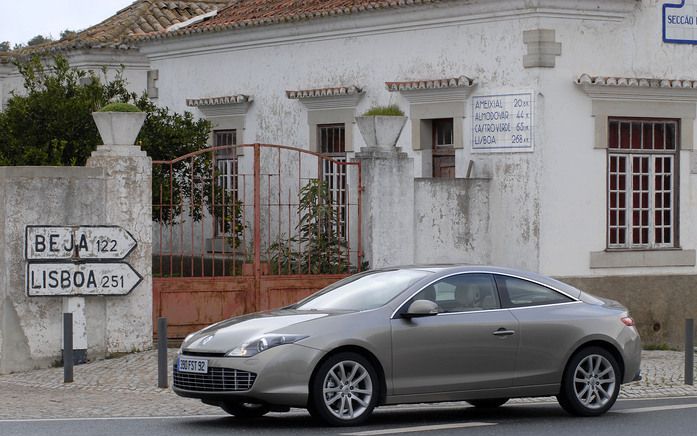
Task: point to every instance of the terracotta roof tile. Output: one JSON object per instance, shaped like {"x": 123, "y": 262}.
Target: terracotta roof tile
{"x": 324, "y": 92}
{"x": 637, "y": 82}
{"x": 141, "y": 17}
{"x": 211, "y": 101}
{"x": 415, "y": 85}
{"x": 253, "y": 13}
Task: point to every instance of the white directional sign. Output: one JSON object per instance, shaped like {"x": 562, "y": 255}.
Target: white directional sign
{"x": 503, "y": 122}
{"x": 51, "y": 279}
{"x": 77, "y": 243}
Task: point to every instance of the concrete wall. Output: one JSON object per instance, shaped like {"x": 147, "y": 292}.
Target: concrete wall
{"x": 114, "y": 191}
{"x": 451, "y": 221}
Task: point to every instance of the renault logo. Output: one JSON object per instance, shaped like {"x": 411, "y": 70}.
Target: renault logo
{"x": 206, "y": 340}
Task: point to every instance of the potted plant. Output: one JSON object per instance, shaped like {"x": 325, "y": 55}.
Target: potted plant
{"x": 119, "y": 123}
{"x": 380, "y": 126}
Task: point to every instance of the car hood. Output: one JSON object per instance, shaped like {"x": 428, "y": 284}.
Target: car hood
{"x": 226, "y": 335}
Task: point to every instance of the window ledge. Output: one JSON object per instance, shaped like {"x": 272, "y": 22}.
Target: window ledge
{"x": 642, "y": 258}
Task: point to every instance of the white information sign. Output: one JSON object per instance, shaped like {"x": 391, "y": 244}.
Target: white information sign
{"x": 503, "y": 122}
{"x": 78, "y": 243}
{"x": 680, "y": 22}
{"x": 53, "y": 279}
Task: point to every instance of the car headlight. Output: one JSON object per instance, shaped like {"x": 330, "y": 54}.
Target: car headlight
{"x": 263, "y": 343}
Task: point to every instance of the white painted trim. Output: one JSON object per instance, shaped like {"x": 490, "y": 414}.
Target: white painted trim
{"x": 642, "y": 258}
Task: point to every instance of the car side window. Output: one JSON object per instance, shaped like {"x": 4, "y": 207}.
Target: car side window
{"x": 517, "y": 292}
{"x": 462, "y": 293}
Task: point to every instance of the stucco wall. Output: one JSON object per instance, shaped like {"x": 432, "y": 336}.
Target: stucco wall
{"x": 451, "y": 221}
{"x": 31, "y": 327}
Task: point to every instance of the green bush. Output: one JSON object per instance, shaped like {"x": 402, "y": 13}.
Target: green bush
{"x": 120, "y": 107}
{"x": 389, "y": 111}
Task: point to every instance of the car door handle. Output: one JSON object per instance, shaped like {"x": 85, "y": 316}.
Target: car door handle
{"x": 503, "y": 332}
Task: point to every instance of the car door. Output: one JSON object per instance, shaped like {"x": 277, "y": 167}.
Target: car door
{"x": 545, "y": 328}
{"x": 470, "y": 344}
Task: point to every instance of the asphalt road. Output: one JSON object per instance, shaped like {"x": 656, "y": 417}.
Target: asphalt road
{"x": 675, "y": 417}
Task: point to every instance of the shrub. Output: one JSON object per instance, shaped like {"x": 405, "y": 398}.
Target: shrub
{"x": 120, "y": 107}
{"x": 389, "y": 111}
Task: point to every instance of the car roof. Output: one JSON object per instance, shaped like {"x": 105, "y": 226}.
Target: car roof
{"x": 447, "y": 269}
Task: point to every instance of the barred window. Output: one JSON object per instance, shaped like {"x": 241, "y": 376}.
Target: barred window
{"x": 332, "y": 144}
{"x": 642, "y": 189}
{"x": 227, "y": 172}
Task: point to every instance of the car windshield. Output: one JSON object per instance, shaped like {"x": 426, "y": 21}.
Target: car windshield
{"x": 362, "y": 291}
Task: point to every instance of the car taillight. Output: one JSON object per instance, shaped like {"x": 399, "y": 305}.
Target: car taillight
{"x": 627, "y": 321}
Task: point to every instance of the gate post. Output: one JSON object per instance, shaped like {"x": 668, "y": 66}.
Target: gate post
{"x": 128, "y": 174}
{"x": 256, "y": 298}
{"x": 387, "y": 212}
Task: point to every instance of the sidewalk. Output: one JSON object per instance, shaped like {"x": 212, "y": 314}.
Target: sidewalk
{"x": 127, "y": 386}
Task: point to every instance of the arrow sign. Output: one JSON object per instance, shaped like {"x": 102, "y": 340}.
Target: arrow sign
{"x": 52, "y": 279}
{"x": 78, "y": 243}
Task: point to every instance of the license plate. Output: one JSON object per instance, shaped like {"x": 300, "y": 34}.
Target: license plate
{"x": 193, "y": 365}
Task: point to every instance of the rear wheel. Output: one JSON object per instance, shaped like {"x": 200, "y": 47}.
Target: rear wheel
{"x": 245, "y": 410}
{"x": 344, "y": 390}
{"x": 591, "y": 383}
{"x": 488, "y": 403}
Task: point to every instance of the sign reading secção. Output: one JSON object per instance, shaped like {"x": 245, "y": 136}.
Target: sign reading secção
{"x": 680, "y": 22}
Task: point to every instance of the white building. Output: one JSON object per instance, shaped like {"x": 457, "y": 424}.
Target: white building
{"x": 551, "y": 135}
{"x": 577, "y": 112}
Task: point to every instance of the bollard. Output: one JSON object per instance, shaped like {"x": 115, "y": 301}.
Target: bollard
{"x": 68, "y": 348}
{"x": 162, "y": 368}
{"x": 689, "y": 351}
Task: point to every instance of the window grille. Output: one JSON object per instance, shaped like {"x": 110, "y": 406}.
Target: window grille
{"x": 642, "y": 189}
{"x": 332, "y": 144}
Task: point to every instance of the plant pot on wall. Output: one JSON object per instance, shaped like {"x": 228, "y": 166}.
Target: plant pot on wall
{"x": 381, "y": 126}
{"x": 119, "y": 128}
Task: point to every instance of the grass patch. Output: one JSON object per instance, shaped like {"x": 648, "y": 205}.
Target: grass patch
{"x": 120, "y": 107}
{"x": 388, "y": 111}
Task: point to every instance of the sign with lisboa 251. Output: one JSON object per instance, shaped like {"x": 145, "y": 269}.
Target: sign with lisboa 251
{"x": 78, "y": 261}
{"x": 680, "y": 22}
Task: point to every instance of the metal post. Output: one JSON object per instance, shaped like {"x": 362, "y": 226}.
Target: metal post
{"x": 68, "y": 348}
{"x": 162, "y": 368}
{"x": 689, "y": 351}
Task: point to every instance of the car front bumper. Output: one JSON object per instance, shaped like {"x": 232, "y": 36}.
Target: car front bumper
{"x": 282, "y": 377}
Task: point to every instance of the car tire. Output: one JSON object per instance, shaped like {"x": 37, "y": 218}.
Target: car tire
{"x": 488, "y": 403}
{"x": 344, "y": 390}
{"x": 244, "y": 410}
{"x": 591, "y": 382}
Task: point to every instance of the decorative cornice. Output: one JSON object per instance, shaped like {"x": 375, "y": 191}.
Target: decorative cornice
{"x": 638, "y": 88}
{"x": 211, "y": 101}
{"x": 324, "y": 92}
{"x": 222, "y": 106}
{"x": 338, "y": 97}
{"x": 417, "y": 85}
{"x": 433, "y": 90}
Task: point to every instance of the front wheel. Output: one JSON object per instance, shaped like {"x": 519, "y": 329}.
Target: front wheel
{"x": 591, "y": 383}
{"x": 344, "y": 390}
{"x": 245, "y": 410}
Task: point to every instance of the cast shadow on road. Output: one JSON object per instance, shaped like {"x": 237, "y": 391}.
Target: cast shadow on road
{"x": 409, "y": 416}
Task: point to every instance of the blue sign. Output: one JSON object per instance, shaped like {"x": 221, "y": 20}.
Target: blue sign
{"x": 680, "y": 22}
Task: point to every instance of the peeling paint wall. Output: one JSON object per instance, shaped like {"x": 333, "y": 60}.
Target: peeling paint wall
{"x": 451, "y": 221}
{"x": 31, "y": 328}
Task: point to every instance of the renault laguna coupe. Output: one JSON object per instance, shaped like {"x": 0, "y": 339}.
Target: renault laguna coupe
{"x": 416, "y": 335}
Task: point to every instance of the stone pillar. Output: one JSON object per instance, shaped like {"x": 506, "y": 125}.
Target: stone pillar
{"x": 128, "y": 173}
{"x": 388, "y": 206}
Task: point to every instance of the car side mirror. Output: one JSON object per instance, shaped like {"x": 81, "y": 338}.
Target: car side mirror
{"x": 421, "y": 308}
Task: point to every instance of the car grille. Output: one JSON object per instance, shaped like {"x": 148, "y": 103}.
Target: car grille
{"x": 216, "y": 380}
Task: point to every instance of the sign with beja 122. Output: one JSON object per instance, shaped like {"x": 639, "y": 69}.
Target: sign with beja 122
{"x": 77, "y": 242}
{"x": 64, "y": 279}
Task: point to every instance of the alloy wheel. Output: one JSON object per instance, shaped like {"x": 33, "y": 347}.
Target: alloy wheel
{"x": 594, "y": 381}
{"x": 347, "y": 390}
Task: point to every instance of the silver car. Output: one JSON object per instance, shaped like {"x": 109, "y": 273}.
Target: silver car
{"x": 416, "y": 335}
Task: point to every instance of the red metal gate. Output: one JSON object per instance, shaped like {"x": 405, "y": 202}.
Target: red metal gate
{"x": 244, "y": 228}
